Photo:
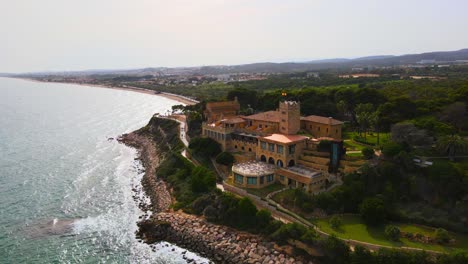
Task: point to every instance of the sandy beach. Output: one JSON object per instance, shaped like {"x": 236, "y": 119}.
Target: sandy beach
{"x": 175, "y": 97}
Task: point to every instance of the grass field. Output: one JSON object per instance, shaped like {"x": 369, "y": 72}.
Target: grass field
{"x": 353, "y": 228}
{"x": 370, "y": 138}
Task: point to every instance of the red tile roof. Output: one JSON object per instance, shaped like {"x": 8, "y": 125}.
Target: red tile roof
{"x": 322, "y": 120}
{"x": 270, "y": 116}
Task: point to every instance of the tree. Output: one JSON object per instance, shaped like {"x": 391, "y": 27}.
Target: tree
{"x": 205, "y": 146}
{"x": 372, "y": 211}
{"x": 361, "y": 255}
{"x": 390, "y": 149}
{"x": 442, "y": 236}
{"x": 367, "y": 152}
{"x": 364, "y": 117}
{"x": 202, "y": 179}
{"x": 263, "y": 218}
{"x": 455, "y": 114}
{"x": 335, "y": 222}
{"x": 246, "y": 213}
{"x": 392, "y": 232}
{"x": 452, "y": 145}
{"x": 225, "y": 158}
{"x": 408, "y": 133}
{"x": 336, "y": 251}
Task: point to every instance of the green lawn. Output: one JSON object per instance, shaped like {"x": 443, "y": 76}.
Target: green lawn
{"x": 353, "y": 228}
{"x": 263, "y": 192}
{"x": 356, "y": 154}
{"x": 370, "y": 138}
{"x": 351, "y": 145}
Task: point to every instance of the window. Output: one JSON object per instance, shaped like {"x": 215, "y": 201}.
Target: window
{"x": 281, "y": 177}
{"x": 292, "y": 149}
{"x": 318, "y": 128}
{"x": 283, "y": 120}
{"x": 279, "y": 149}
{"x": 263, "y": 144}
{"x": 252, "y": 180}
{"x": 235, "y": 146}
{"x": 239, "y": 178}
{"x": 271, "y": 147}
{"x": 336, "y": 131}
{"x": 270, "y": 178}
{"x": 327, "y": 129}
{"x": 310, "y": 126}
{"x": 242, "y": 148}
{"x": 283, "y": 112}
{"x": 262, "y": 180}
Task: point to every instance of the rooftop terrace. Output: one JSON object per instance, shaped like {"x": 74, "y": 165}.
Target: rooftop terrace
{"x": 254, "y": 168}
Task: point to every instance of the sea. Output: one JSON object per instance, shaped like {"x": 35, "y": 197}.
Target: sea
{"x": 66, "y": 185}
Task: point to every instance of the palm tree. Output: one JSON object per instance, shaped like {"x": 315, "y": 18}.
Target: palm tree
{"x": 452, "y": 145}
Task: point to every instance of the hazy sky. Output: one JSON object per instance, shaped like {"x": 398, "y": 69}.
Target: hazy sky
{"x": 38, "y": 35}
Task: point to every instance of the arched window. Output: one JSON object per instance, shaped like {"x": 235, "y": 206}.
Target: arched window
{"x": 263, "y": 158}
{"x": 291, "y": 163}
{"x": 271, "y": 161}
{"x": 279, "y": 163}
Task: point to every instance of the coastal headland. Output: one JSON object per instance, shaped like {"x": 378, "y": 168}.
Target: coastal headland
{"x": 219, "y": 243}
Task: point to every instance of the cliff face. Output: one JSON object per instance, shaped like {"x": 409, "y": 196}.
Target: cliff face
{"x": 153, "y": 142}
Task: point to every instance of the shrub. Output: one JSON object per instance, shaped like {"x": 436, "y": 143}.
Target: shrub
{"x": 390, "y": 149}
{"x": 202, "y": 180}
{"x": 225, "y": 158}
{"x": 392, "y": 232}
{"x": 263, "y": 218}
{"x": 246, "y": 212}
{"x": 288, "y": 231}
{"x": 367, "y": 152}
{"x": 442, "y": 236}
{"x": 372, "y": 211}
{"x": 335, "y": 222}
{"x": 336, "y": 251}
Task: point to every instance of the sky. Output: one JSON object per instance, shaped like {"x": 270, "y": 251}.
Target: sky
{"x": 64, "y": 35}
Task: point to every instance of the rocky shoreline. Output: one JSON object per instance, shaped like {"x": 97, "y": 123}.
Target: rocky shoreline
{"x": 219, "y": 243}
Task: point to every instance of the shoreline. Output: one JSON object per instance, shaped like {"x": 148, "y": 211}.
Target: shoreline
{"x": 219, "y": 243}
{"x": 179, "y": 98}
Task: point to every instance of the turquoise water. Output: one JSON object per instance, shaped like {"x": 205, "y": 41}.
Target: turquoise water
{"x": 65, "y": 189}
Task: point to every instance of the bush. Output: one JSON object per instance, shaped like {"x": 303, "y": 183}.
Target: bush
{"x": 225, "y": 158}
{"x": 390, "y": 149}
{"x": 335, "y": 222}
{"x": 202, "y": 180}
{"x": 372, "y": 211}
{"x": 246, "y": 212}
{"x": 288, "y": 231}
{"x": 392, "y": 232}
{"x": 367, "y": 152}
{"x": 442, "y": 236}
{"x": 336, "y": 251}
{"x": 263, "y": 218}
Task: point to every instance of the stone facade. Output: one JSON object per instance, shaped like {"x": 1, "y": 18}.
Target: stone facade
{"x": 271, "y": 137}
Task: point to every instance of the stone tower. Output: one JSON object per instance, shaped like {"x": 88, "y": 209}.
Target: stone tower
{"x": 290, "y": 121}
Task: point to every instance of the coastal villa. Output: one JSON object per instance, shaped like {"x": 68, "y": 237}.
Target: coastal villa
{"x": 276, "y": 146}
